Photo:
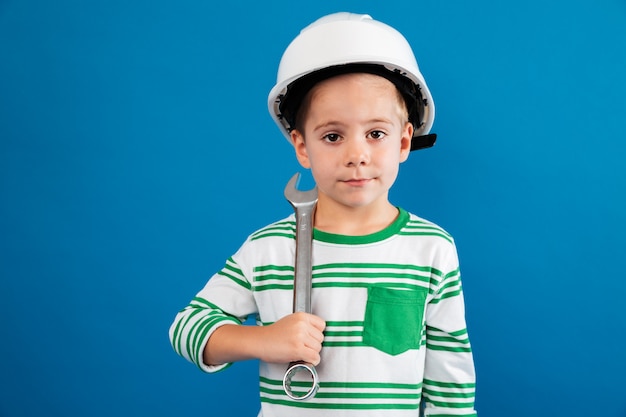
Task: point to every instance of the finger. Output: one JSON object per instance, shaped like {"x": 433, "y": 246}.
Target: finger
{"x": 317, "y": 322}
{"x": 316, "y": 335}
{"x": 314, "y": 344}
{"x": 312, "y": 357}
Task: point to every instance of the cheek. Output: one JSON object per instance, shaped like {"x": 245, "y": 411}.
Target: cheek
{"x": 321, "y": 166}
{"x": 391, "y": 156}
{"x": 316, "y": 157}
{"x": 318, "y": 166}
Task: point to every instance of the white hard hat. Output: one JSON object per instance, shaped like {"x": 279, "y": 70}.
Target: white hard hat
{"x": 345, "y": 42}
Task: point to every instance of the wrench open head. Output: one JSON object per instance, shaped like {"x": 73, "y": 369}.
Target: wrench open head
{"x": 304, "y": 203}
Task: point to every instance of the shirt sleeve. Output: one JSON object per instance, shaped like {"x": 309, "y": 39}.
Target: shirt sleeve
{"x": 449, "y": 376}
{"x": 226, "y": 299}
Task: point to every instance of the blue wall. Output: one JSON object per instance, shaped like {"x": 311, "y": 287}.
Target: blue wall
{"x": 136, "y": 153}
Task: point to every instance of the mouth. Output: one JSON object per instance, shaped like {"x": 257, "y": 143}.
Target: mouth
{"x": 357, "y": 182}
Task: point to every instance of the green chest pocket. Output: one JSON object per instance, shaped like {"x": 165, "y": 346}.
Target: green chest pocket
{"x": 394, "y": 319}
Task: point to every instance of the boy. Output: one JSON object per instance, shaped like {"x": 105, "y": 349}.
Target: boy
{"x": 387, "y": 330}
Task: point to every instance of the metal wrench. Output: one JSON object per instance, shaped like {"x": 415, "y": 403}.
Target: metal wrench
{"x": 304, "y": 203}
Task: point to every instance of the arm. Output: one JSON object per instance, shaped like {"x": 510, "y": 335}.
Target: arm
{"x": 297, "y": 336}
{"x": 449, "y": 377}
{"x": 208, "y": 332}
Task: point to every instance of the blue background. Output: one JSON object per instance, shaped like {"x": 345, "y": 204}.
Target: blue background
{"x": 136, "y": 154}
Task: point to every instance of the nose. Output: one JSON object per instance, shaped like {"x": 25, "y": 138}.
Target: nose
{"x": 357, "y": 152}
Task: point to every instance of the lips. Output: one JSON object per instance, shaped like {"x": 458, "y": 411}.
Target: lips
{"x": 357, "y": 182}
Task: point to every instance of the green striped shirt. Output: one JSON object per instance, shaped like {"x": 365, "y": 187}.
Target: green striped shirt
{"x": 395, "y": 336}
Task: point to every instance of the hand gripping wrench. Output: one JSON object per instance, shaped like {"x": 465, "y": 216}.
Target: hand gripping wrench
{"x": 303, "y": 203}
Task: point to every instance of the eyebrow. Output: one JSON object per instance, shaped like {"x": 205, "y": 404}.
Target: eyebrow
{"x": 326, "y": 125}
{"x": 336, "y": 123}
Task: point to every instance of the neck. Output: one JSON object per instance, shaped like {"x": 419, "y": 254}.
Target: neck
{"x": 334, "y": 218}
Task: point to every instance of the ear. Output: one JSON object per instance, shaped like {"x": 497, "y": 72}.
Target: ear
{"x": 297, "y": 139}
{"x": 405, "y": 141}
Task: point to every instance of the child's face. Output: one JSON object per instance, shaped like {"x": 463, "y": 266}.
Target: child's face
{"x": 355, "y": 135}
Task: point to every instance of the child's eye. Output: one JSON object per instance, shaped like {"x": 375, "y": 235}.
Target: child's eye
{"x": 331, "y": 137}
{"x": 377, "y": 134}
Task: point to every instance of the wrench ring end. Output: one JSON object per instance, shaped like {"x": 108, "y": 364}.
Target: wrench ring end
{"x": 295, "y": 368}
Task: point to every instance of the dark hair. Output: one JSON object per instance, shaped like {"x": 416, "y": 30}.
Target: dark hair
{"x": 291, "y": 101}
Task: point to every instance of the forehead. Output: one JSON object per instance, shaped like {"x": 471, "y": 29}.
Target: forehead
{"x": 354, "y": 81}
{"x": 352, "y": 96}
{"x": 354, "y": 89}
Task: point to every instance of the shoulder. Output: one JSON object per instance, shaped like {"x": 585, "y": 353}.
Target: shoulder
{"x": 281, "y": 229}
{"x": 434, "y": 243}
{"x": 270, "y": 245}
{"x": 272, "y": 237}
{"x": 418, "y": 226}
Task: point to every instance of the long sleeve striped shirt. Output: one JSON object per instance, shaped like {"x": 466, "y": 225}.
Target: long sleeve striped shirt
{"x": 395, "y": 340}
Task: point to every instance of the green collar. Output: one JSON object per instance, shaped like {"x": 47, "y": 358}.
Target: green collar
{"x": 400, "y": 221}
